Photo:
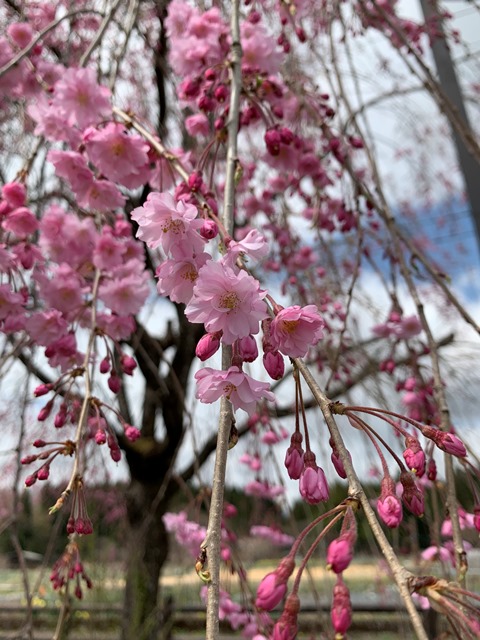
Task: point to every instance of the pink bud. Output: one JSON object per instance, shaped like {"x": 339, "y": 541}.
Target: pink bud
{"x": 341, "y": 612}
{"x": 132, "y": 433}
{"x": 273, "y": 587}
{"x": 339, "y": 554}
{"x": 209, "y": 230}
{"x": 476, "y": 518}
{"x": 14, "y": 193}
{"x": 273, "y": 140}
{"x": 207, "y": 346}
{"x": 274, "y": 364}
{"x": 195, "y": 181}
{"x": 43, "y": 472}
{"x": 270, "y": 592}
{"x": 294, "y": 457}
{"x": 313, "y": 483}
{"x": 61, "y": 417}
{"x": 115, "y": 454}
{"x": 100, "y": 437}
{"x": 114, "y": 383}
{"x": 412, "y": 496}
{"x": 45, "y": 411}
{"x": 414, "y": 456}
{"x": 39, "y": 443}
{"x": 28, "y": 459}
{"x": 286, "y": 627}
{"x": 247, "y": 348}
{"x": 128, "y": 364}
{"x": 389, "y": 506}
{"x": 70, "y": 526}
{"x": 42, "y": 390}
{"x": 30, "y": 480}
{"x": 432, "y": 470}
{"x": 105, "y": 365}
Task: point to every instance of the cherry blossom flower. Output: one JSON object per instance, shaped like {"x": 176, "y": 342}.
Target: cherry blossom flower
{"x": 295, "y": 329}
{"x": 119, "y": 156}
{"x": 21, "y": 222}
{"x": 243, "y": 391}
{"x": 176, "y": 278}
{"x": 79, "y": 97}
{"x": 125, "y": 295}
{"x": 173, "y": 225}
{"x": 227, "y": 301}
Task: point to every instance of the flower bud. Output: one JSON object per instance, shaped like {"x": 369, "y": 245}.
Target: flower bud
{"x": 114, "y": 383}
{"x": 273, "y": 587}
{"x": 207, "y": 346}
{"x": 389, "y": 506}
{"x": 414, "y": 456}
{"x": 313, "y": 483}
{"x": 341, "y": 612}
{"x": 294, "y": 457}
{"x": 412, "y": 496}
{"x": 247, "y": 348}
{"x": 128, "y": 364}
{"x": 45, "y": 411}
{"x": 339, "y": 554}
{"x": 42, "y": 390}
{"x": 43, "y": 472}
{"x": 209, "y": 230}
{"x": 132, "y": 433}
{"x": 105, "y": 365}
{"x": 274, "y": 364}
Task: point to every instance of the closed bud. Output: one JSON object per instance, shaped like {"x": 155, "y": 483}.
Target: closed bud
{"x": 30, "y": 480}
{"x": 207, "y": 346}
{"x": 313, "y": 483}
{"x": 114, "y": 383}
{"x": 39, "y": 443}
{"x": 43, "y": 472}
{"x": 274, "y": 364}
{"x": 105, "y": 365}
{"x": 247, "y": 348}
{"x": 294, "y": 457}
{"x": 42, "y": 390}
{"x": 339, "y": 554}
{"x": 45, "y": 411}
{"x": 132, "y": 433}
{"x": 209, "y": 230}
{"x": 128, "y": 364}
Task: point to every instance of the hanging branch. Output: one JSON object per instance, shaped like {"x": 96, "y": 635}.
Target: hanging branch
{"x": 212, "y": 542}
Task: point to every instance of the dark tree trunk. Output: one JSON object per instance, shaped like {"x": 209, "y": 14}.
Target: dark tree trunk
{"x": 147, "y": 550}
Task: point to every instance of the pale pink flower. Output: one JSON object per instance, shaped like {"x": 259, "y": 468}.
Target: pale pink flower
{"x": 197, "y": 125}
{"x": 63, "y": 290}
{"x": 109, "y": 251}
{"x": 259, "y": 50}
{"x": 176, "y": 278}
{"x": 79, "y": 97}
{"x": 63, "y": 353}
{"x": 253, "y": 245}
{"x": 275, "y": 536}
{"x": 51, "y": 123}
{"x": 21, "y": 222}
{"x": 243, "y": 391}
{"x": 409, "y": 327}
{"x": 125, "y": 295}
{"x": 295, "y": 329}
{"x": 264, "y": 490}
{"x": 21, "y": 33}
{"x": 117, "y": 327}
{"x": 46, "y": 326}
{"x": 119, "y": 156}
{"x": 10, "y": 301}
{"x": 226, "y": 301}
{"x": 14, "y": 193}
{"x": 72, "y": 166}
{"x": 173, "y": 225}
{"x": 101, "y": 196}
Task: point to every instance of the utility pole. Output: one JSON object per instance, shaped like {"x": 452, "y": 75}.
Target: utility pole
{"x": 449, "y": 83}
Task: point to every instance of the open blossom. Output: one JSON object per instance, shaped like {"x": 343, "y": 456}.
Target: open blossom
{"x": 121, "y": 157}
{"x": 227, "y": 301}
{"x": 176, "y": 278}
{"x": 295, "y": 329}
{"x": 243, "y": 391}
{"x": 173, "y": 225}
{"x": 79, "y": 97}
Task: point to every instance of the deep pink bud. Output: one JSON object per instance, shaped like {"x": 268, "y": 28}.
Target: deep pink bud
{"x": 115, "y": 454}
{"x": 30, "y": 480}
{"x": 39, "y": 443}
{"x": 105, "y": 365}
{"x": 209, "y": 230}
{"x": 313, "y": 483}
{"x": 274, "y": 364}
{"x": 45, "y": 411}
{"x": 412, "y": 496}
{"x": 286, "y": 627}
{"x": 207, "y": 346}
{"x": 432, "y": 470}
{"x": 128, "y": 364}
{"x": 100, "y": 437}
{"x": 339, "y": 554}
{"x": 294, "y": 457}
{"x": 273, "y": 140}
{"x": 336, "y": 460}
{"x": 221, "y": 93}
{"x": 341, "y": 612}
{"x": 43, "y": 472}
{"x": 389, "y": 506}
{"x": 114, "y": 383}
{"x": 273, "y": 587}
{"x": 414, "y": 456}
{"x": 450, "y": 443}
{"x": 42, "y": 389}
{"x": 247, "y": 348}
{"x": 132, "y": 433}
{"x": 61, "y": 417}
{"x": 14, "y": 193}
{"x": 195, "y": 181}
{"x": 28, "y": 459}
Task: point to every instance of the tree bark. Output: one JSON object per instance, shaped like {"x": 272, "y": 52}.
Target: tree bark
{"x": 147, "y": 551}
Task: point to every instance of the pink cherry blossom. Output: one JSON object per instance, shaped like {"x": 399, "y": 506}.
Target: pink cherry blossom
{"x": 125, "y": 294}
{"x": 46, "y": 326}
{"x": 21, "y": 222}
{"x": 227, "y": 301}
{"x": 14, "y": 193}
{"x": 173, "y": 225}
{"x": 275, "y": 536}
{"x": 176, "y": 278}
{"x": 295, "y": 329}
{"x": 119, "y": 156}
{"x": 10, "y": 301}
{"x": 243, "y": 391}
{"x": 79, "y": 97}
